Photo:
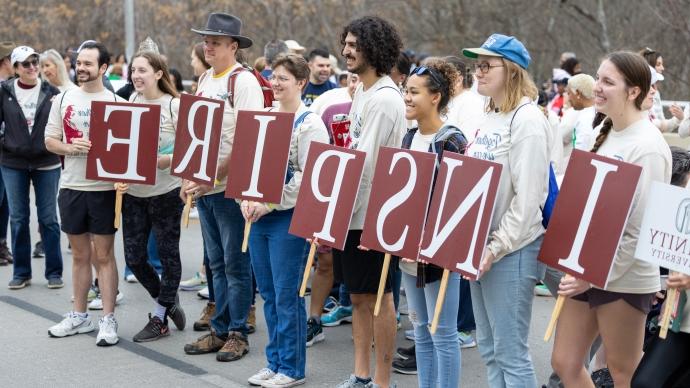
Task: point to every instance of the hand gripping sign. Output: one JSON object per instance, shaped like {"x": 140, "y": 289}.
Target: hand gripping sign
{"x": 326, "y": 198}
{"x": 665, "y": 238}
{"x": 398, "y": 202}
{"x": 259, "y": 159}
{"x": 588, "y": 219}
{"x": 197, "y": 142}
{"x": 460, "y": 213}
{"x": 124, "y": 144}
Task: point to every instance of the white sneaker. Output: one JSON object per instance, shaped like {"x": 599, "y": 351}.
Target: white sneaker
{"x": 107, "y": 331}
{"x": 196, "y": 282}
{"x": 203, "y": 293}
{"x": 97, "y": 304}
{"x": 71, "y": 325}
{"x": 281, "y": 381}
{"x": 261, "y": 376}
{"x": 131, "y": 278}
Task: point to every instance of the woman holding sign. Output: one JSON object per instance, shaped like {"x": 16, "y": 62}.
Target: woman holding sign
{"x": 278, "y": 257}
{"x": 158, "y": 207}
{"x": 516, "y": 134}
{"x": 617, "y": 313}
{"x": 429, "y": 89}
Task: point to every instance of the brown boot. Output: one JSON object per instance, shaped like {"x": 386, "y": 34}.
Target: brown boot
{"x": 207, "y": 343}
{"x": 235, "y": 347}
{"x": 204, "y": 322}
{"x": 251, "y": 320}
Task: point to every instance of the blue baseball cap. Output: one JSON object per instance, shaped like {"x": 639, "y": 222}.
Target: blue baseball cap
{"x": 503, "y": 46}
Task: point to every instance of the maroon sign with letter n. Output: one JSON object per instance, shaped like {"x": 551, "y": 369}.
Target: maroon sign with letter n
{"x": 399, "y": 197}
{"x": 124, "y": 142}
{"x": 460, "y": 213}
{"x": 327, "y": 194}
{"x": 259, "y": 159}
{"x": 197, "y": 139}
{"x": 589, "y": 217}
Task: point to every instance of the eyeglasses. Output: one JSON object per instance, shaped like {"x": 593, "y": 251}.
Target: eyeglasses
{"x": 422, "y": 70}
{"x": 28, "y": 64}
{"x": 484, "y": 67}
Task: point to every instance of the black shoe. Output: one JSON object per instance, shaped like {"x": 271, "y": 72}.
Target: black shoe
{"x": 5, "y": 254}
{"x": 406, "y": 353}
{"x": 55, "y": 283}
{"x": 176, "y": 313}
{"x": 602, "y": 378}
{"x": 407, "y": 366}
{"x": 16, "y": 284}
{"x": 314, "y": 332}
{"x": 153, "y": 330}
{"x": 38, "y": 250}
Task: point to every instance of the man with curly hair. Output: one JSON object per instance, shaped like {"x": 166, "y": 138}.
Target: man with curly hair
{"x": 371, "y": 47}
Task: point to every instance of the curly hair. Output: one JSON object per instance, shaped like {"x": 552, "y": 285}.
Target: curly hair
{"x": 377, "y": 40}
{"x": 449, "y": 77}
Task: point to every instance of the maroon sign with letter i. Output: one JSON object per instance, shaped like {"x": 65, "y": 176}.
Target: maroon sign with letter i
{"x": 124, "y": 142}
{"x": 327, "y": 194}
{"x": 197, "y": 139}
{"x": 398, "y": 202}
{"x": 460, "y": 213}
{"x": 589, "y": 217}
{"x": 259, "y": 159}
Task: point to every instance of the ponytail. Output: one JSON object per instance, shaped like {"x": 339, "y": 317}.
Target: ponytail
{"x": 603, "y": 133}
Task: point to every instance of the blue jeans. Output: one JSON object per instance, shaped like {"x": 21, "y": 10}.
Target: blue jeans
{"x": 209, "y": 279}
{"x": 278, "y": 259}
{"x": 465, "y": 315}
{"x": 152, "y": 252}
{"x": 45, "y": 184}
{"x": 502, "y": 303}
{"x": 222, "y": 226}
{"x": 438, "y": 355}
{"x": 4, "y": 211}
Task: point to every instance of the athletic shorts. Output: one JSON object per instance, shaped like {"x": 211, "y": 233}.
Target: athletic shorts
{"x": 360, "y": 270}
{"x": 87, "y": 211}
{"x": 596, "y": 297}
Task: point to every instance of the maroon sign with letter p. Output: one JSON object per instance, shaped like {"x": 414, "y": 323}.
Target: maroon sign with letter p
{"x": 399, "y": 197}
{"x": 589, "y": 217}
{"x": 460, "y": 213}
{"x": 124, "y": 142}
{"x": 327, "y": 194}
{"x": 197, "y": 139}
{"x": 259, "y": 159}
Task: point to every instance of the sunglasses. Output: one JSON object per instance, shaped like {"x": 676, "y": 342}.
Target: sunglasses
{"x": 423, "y": 70}
{"x": 28, "y": 64}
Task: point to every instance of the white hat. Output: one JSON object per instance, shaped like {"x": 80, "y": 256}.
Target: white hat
{"x": 292, "y": 45}
{"x": 656, "y": 76}
{"x": 21, "y": 53}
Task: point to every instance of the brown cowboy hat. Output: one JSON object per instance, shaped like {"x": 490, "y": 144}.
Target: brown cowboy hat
{"x": 222, "y": 24}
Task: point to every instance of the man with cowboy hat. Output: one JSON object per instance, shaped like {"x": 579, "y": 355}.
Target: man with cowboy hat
{"x": 6, "y": 70}
{"x": 222, "y": 223}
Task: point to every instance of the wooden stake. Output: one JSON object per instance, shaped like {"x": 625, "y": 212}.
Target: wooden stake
{"x": 245, "y": 241}
{"x": 382, "y": 283}
{"x": 186, "y": 210}
{"x": 670, "y": 306}
{"x": 439, "y": 301}
{"x": 554, "y": 316}
{"x": 118, "y": 208}
{"x": 307, "y": 268}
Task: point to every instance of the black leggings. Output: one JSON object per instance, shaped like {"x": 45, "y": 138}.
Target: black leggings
{"x": 161, "y": 214}
{"x": 666, "y": 363}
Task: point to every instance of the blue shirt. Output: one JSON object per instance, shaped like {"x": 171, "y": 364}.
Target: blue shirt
{"x": 312, "y": 91}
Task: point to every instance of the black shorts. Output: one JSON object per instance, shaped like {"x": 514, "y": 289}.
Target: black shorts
{"x": 360, "y": 270}
{"x": 87, "y": 211}
{"x": 596, "y": 297}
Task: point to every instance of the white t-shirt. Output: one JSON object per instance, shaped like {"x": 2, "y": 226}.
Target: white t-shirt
{"x": 377, "y": 118}
{"x": 466, "y": 111}
{"x": 70, "y": 117}
{"x": 641, "y": 144}
{"x": 248, "y": 96}
{"x": 166, "y": 139}
{"x": 576, "y": 131}
{"x": 329, "y": 98}
{"x": 28, "y": 101}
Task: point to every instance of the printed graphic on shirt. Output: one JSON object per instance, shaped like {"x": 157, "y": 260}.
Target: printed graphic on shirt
{"x": 356, "y": 130}
{"x": 73, "y": 119}
{"x": 484, "y": 146}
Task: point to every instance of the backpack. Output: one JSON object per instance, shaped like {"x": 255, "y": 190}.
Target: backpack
{"x": 552, "y": 192}
{"x": 263, "y": 83}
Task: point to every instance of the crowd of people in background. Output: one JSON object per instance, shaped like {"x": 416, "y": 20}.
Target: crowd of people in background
{"x": 386, "y": 95}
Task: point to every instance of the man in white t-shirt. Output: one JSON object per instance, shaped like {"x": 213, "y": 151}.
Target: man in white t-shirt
{"x": 87, "y": 207}
{"x": 371, "y": 47}
{"x": 222, "y": 223}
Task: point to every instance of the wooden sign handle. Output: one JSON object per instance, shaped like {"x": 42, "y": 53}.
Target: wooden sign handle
{"x": 554, "y": 316}
{"x": 439, "y": 301}
{"x": 382, "y": 283}
{"x": 118, "y": 208}
{"x": 245, "y": 240}
{"x": 669, "y": 307}
{"x": 307, "y": 269}
{"x": 186, "y": 210}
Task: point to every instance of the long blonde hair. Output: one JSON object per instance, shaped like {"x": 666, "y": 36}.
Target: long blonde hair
{"x": 53, "y": 56}
{"x": 518, "y": 84}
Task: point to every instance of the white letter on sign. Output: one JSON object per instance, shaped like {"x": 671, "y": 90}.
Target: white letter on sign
{"x": 325, "y": 233}
{"x": 573, "y": 259}
{"x": 478, "y": 193}
{"x": 132, "y": 142}
{"x": 395, "y": 201}
{"x": 253, "y": 190}
{"x": 196, "y": 142}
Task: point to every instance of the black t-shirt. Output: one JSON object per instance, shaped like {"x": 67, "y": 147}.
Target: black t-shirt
{"x": 312, "y": 91}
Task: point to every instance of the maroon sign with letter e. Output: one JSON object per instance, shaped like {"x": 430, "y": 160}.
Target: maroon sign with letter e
{"x": 327, "y": 194}
{"x": 124, "y": 142}
{"x": 197, "y": 139}
{"x": 259, "y": 159}
{"x": 589, "y": 217}
{"x": 460, "y": 213}
{"x": 399, "y": 197}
